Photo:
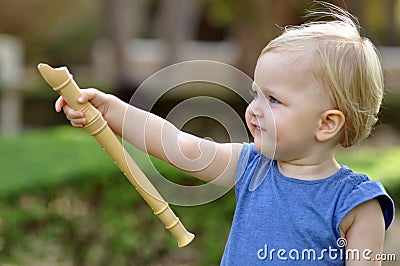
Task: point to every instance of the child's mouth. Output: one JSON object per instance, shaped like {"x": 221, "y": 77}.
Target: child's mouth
{"x": 259, "y": 128}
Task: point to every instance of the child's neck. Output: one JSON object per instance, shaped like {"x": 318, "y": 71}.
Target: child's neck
{"x": 301, "y": 169}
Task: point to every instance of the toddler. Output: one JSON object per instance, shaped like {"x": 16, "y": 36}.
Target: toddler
{"x": 316, "y": 86}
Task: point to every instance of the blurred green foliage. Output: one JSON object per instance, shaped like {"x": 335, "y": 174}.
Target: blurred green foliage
{"x": 379, "y": 164}
{"x": 62, "y": 199}
{"x": 47, "y": 157}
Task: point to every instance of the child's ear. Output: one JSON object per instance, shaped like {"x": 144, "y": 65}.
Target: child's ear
{"x": 330, "y": 124}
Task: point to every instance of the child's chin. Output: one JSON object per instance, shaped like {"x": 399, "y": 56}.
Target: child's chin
{"x": 268, "y": 152}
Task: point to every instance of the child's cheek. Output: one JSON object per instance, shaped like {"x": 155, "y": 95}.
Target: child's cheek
{"x": 248, "y": 124}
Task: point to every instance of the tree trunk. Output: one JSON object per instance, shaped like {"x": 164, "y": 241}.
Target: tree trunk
{"x": 257, "y": 22}
{"x": 177, "y": 22}
{"x": 392, "y": 36}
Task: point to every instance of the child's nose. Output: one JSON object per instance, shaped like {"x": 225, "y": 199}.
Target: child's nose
{"x": 255, "y": 108}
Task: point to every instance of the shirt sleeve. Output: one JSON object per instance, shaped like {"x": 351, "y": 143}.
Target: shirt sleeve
{"x": 243, "y": 161}
{"x": 248, "y": 160}
{"x": 362, "y": 189}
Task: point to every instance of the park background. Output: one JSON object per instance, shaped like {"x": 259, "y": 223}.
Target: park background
{"x": 62, "y": 200}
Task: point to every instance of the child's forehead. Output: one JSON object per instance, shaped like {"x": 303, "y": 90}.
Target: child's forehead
{"x": 291, "y": 56}
{"x": 285, "y": 62}
{"x": 288, "y": 70}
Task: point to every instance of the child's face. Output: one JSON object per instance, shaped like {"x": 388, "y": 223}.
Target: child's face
{"x": 287, "y": 106}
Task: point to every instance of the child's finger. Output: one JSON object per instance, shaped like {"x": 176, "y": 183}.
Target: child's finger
{"x": 87, "y": 95}
{"x": 60, "y": 102}
{"x": 79, "y": 122}
{"x": 72, "y": 113}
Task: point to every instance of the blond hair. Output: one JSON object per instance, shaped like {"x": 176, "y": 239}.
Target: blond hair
{"x": 346, "y": 64}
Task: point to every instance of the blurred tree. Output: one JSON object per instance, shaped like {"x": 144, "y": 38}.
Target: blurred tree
{"x": 52, "y": 31}
{"x": 392, "y": 28}
{"x": 254, "y": 23}
{"x": 63, "y": 32}
{"x": 123, "y": 20}
{"x": 374, "y": 19}
{"x": 114, "y": 31}
{"x": 177, "y": 22}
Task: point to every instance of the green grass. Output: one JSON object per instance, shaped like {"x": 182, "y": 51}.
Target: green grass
{"x": 59, "y": 188}
{"x": 48, "y": 157}
{"x": 45, "y": 158}
{"x": 379, "y": 164}
{"x": 52, "y": 156}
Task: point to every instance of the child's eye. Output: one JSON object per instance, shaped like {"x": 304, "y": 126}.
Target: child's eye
{"x": 273, "y": 100}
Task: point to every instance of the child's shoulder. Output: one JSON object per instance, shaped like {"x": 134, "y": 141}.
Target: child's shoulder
{"x": 356, "y": 189}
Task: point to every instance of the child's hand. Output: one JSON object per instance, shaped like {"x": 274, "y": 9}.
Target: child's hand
{"x": 98, "y": 99}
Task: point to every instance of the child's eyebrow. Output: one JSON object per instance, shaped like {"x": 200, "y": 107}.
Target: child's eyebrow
{"x": 255, "y": 87}
{"x": 264, "y": 90}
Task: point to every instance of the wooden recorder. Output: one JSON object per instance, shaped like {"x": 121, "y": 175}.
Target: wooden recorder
{"x": 62, "y": 82}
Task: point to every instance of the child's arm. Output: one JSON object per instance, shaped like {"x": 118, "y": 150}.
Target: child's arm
{"x": 201, "y": 158}
{"x": 364, "y": 229}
